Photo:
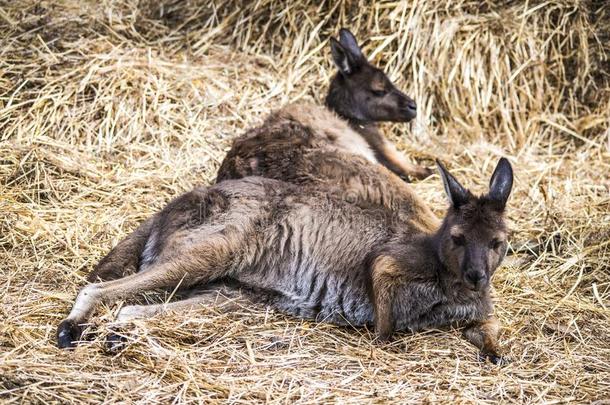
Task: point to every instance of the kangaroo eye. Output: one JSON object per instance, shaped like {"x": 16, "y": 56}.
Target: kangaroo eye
{"x": 379, "y": 93}
{"x": 458, "y": 240}
{"x": 495, "y": 244}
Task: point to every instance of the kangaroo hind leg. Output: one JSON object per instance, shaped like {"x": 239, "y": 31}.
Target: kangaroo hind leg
{"x": 185, "y": 265}
{"x": 221, "y": 297}
{"x": 224, "y": 299}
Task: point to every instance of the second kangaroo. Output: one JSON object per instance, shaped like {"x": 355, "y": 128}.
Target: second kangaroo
{"x": 359, "y": 97}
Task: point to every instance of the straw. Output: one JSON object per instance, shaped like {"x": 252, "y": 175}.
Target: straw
{"x": 108, "y": 109}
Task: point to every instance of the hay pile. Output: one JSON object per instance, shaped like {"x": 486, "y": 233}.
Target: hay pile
{"x": 110, "y": 108}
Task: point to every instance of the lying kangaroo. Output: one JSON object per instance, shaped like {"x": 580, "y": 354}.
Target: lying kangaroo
{"x": 314, "y": 256}
{"x": 360, "y": 96}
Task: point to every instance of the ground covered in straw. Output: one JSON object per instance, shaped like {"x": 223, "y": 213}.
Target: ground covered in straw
{"x": 110, "y": 108}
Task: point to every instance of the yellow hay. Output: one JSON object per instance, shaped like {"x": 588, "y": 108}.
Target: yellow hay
{"x": 110, "y": 108}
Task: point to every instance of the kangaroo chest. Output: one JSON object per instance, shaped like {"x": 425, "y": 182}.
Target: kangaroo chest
{"x": 434, "y": 309}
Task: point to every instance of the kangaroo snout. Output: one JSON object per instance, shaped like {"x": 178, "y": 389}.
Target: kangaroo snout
{"x": 477, "y": 280}
{"x": 408, "y": 106}
{"x": 411, "y": 105}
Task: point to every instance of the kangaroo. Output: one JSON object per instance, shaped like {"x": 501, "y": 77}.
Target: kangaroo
{"x": 360, "y": 96}
{"x": 337, "y": 147}
{"x": 306, "y": 253}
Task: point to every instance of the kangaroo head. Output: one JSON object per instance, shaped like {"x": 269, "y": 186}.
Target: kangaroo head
{"x": 472, "y": 239}
{"x": 361, "y": 91}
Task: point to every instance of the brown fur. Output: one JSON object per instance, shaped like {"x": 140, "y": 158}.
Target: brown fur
{"x": 121, "y": 261}
{"x": 387, "y": 272}
{"x": 302, "y": 160}
{"x": 308, "y": 253}
{"x": 360, "y": 95}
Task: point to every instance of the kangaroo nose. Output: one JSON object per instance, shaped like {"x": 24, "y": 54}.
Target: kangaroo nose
{"x": 475, "y": 278}
{"x": 411, "y": 105}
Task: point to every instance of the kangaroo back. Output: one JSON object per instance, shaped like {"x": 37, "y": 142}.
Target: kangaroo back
{"x": 360, "y": 95}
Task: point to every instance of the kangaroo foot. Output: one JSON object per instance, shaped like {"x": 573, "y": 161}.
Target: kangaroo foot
{"x": 494, "y": 358}
{"x": 115, "y": 342}
{"x": 68, "y": 334}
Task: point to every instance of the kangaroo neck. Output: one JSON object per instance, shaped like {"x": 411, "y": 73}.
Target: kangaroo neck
{"x": 434, "y": 243}
{"x": 363, "y": 127}
{"x": 370, "y": 132}
{"x": 367, "y": 129}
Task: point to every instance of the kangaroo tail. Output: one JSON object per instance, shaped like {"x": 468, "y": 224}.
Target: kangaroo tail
{"x": 124, "y": 259}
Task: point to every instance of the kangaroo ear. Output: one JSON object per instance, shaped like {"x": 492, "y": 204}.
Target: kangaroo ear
{"x": 341, "y": 57}
{"x": 457, "y": 194}
{"x": 348, "y": 40}
{"x": 501, "y": 183}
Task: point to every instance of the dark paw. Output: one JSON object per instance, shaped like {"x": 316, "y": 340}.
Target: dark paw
{"x": 115, "y": 342}
{"x": 493, "y": 358}
{"x": 68, "y": 333}
{"x": 405, "y": 178}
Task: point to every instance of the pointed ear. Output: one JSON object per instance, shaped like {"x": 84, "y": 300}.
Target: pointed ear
{"x": 457, "y": 194}
{"x": 340, "y": 57}
{"x": 501, "y": 182}
{"x": 348, "y": 40}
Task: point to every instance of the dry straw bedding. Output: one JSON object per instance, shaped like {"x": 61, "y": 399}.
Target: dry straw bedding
{"x": 110, "y": 108}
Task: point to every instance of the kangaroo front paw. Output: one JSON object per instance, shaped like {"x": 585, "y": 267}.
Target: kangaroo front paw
{"x": 494, "y": 358}
{"x": 423, "y": 172}
{"x": 68, "y": 333}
